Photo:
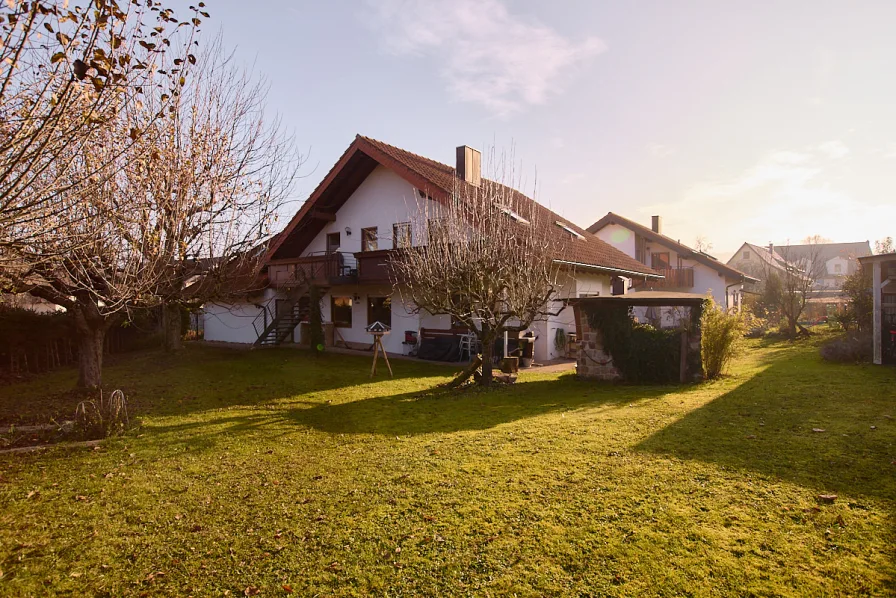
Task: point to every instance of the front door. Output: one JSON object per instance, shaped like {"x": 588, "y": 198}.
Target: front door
{"x": 333, "y": 242}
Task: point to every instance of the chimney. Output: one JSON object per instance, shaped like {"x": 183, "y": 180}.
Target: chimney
{"x": 771, "y": 248}
{"x": 469, "y": 165}
{"x": 656, "y": 223}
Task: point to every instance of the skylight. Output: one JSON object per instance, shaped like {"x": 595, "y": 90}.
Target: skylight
{"x": 568, "y": 229}
{"x": 513, "y": 215}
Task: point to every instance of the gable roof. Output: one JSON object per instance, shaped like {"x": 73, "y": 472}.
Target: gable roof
{"x": 825, "y": 251}
{"x": 683, "y": 250}
{"x": 439, "y": 181}
{"x": 769, "y": 258}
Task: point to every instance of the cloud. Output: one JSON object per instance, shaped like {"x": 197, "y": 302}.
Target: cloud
{"x": 784, "y": 195}
{"x": 487, "y": 55}
{"x": 833, "y": 149}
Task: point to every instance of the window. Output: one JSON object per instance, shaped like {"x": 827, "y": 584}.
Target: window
{"x": 333, "y": 242}
{"x": 379, "y": 309}
{"x": 640, "y": 249}
{"x": 341, "y": 311}
{"x": 837, "y": 269}
{"x": 660, "y": 260}
{"x": 369, "y": 239}
{"x": 401, "y": 235}
{"x": 746, "y": 255}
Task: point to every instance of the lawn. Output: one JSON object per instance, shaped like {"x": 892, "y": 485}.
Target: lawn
{"x": 272, "y": 472}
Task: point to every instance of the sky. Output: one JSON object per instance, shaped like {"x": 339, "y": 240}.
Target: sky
{"x": 752, "y": 121}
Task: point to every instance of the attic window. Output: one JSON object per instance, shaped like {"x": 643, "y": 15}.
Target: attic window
{"x": 513, "y": 215}
{"x": 568, "y": 229}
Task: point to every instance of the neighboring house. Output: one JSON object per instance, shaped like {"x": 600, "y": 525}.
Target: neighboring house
{"x": 342, "y": 238}
{"x": 829, "y": 263}
{"x": 883, "y": 320}
{"x": 685, "y": 269}
{"x": 839, "y": 260}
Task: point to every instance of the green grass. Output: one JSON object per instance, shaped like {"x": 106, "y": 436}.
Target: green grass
{"x": 271, "y": 468}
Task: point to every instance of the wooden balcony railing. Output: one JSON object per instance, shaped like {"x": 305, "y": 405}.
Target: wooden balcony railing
{"x": 373, "y": 266}
{"x": 675, "y": 278}
{"x": 324, "y": 269}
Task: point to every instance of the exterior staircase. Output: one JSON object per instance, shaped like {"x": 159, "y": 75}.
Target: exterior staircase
{"x": 281, "y": 327}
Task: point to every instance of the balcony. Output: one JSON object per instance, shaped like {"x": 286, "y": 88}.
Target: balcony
{"x": 373, "y": 266}
{"x": 322, "y": 269}
{"x": 675, "y": 278}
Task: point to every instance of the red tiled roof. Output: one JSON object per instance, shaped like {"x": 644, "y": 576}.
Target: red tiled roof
{"x": 440, "y": 180}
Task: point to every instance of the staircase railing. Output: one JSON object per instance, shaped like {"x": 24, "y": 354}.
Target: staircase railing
{"x": 265, "y": 315}
{"x": 293, "y": 297}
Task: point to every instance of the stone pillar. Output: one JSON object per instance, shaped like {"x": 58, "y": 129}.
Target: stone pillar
{"x": 593, "y": 362}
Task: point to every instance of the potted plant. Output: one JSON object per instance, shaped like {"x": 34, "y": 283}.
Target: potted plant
{"x": 561, "y": 342}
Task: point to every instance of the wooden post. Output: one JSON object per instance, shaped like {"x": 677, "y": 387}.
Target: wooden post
{"x": 877, "y": 319}
{"x": 379, "y": 340}
{"x": 376, "y": 352}
{"x": 377, "y": 347}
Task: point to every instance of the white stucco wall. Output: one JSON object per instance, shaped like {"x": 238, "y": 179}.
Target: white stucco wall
{"x": 619, "y": 237}
{"x": 383, "y": 199}
{"x": 706, "y": 279}
{"x": 402, "y": 319}
{"x": 230, "y": 323}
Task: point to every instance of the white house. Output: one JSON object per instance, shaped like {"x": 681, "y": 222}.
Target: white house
{"x": 684, "y": 268}
{"x": 342, "y": 238}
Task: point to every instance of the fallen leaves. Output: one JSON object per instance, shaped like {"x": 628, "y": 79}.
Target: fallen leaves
{"x": 287, "y": 588}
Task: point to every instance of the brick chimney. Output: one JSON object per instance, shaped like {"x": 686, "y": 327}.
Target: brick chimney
{"x": 469, "y": 165}
{"x": 771, "y": 248}
{"x": 656, "y": 223}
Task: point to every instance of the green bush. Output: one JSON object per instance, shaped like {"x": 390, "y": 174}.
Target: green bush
{"x": 722, "y": 338}
{"x": 641, "y": 352}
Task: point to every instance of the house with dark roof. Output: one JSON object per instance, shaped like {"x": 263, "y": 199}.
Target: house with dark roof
{"x": 360, "y": 213}
{"x": 830, "y": 262}
{"x": 684, "y": 268}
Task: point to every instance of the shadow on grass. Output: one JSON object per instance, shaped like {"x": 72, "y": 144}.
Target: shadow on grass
{"x": 433, "y": 410}
{"x": 766, "y": 425}
{"x": 201, "y": 378}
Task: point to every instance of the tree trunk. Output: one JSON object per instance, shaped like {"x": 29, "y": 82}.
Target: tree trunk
{"x": 488, "y": 349}
{"x": 171, "y": 332}
{"x": 90, "y": 327}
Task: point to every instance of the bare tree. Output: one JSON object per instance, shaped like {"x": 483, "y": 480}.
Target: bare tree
{"x": 702, "y": 244}
{"x": 68, "y": 71}
{"x": 884, "y": 245}
{"x": 488, "y": 262}
{"x": 213, "y": 179}
{"x": 790, "y": 287}
{"x": 180, "y": 215}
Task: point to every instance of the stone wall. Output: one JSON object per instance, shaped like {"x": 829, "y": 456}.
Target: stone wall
{"x": 592, "y": 361}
